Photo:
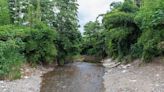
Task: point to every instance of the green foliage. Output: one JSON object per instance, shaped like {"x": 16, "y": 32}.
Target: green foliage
{"x": 10, "y": 59}
{"x": 93, "y": 39}
{"x": 122, "y": 31}
{"x": 34, "y": 24}
{"x": 129, "y": 6}
{"x": 118, "y": 42}
{"x": 8, "y": 32}
{"x": 124, "y": 23}
{"x": 4, "y": 12}
{"x": 66, "y": 23}
{"x": 150, "y": 20}
{"x": 58, "y": 14}
{"x": 133, "y": 31}
{"x": 115, "y": 5}
{"x": 117, "y": 19}
{"x": 39, "y": 42}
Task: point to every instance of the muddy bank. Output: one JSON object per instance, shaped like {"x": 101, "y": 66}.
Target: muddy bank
{"x": 134, "y": 77}
{"x": 30, "y": 81}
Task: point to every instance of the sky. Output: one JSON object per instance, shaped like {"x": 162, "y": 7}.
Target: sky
{"x": 90, "y": 9}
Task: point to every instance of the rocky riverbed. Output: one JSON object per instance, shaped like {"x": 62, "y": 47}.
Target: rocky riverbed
{"x": 30, "y": 81}
{"x": 134, "y": 77}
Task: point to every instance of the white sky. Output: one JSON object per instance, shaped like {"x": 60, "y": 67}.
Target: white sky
{"x": 90, "y": 9}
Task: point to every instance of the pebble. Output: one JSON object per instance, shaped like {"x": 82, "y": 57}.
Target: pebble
{"x": 26, "y": 77}
{"x": 1, "y": 82}
{"x": 3, "y": 86}
{"x": 124, "y": 71}
{"x": 157, "y": 85}
{"x": 157, "y": 75}
{"x": 133, "y": 80}
{"x": 4, "y": 89}
{"x": 64, "y": 86}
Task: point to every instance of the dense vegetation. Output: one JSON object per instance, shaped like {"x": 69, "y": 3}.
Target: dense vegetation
{"x": 35, "y": 32}
{"x": 94, "y": 40}
{"x": 43, "y": 31}
{"x": 132, "y": 29}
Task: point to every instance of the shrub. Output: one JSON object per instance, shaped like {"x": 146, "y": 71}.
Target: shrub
{"x": 118, "y": 42}
{"x": 148, "y": 45}
{"x": 93, "y": 40}
{"x": 40, "y": 46}
{"x": 39, "y": 42}
{"x": 150, "y": 20}
{"x": 10, "y": 59}
{"x": 18, "y": 44}
{"x": 122, "y": 31}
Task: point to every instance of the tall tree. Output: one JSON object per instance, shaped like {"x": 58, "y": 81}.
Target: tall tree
{"x": 94, "y": 39}
{"x": 66, "y": 23}
{"x": 24, "y": 12}
{"x": 122, "y": 31}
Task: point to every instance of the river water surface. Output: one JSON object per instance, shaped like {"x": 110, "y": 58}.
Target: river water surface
{"x": 76, "y": 77}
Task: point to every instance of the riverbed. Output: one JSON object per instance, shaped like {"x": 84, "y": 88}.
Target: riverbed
{"x": 75, "y": 77}
{"x": 135, "y": 76}
{"x": 90, "y": 77}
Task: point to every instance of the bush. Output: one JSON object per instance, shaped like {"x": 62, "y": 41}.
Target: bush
{"x": 134, "y": 32}
{"x": 93, "y": 40}
{"x": 10, "y": 59}
{"x": 122, "y": 31}
{"x": 39, "y": 42}
{"x": 118, "y": 42}
{"x": 19, "y": 44}
{"x": 148, "y": 45}
{"x": 150, "y": 20}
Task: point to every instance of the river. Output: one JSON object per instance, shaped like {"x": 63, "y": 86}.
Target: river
{"x": 75, "y": 77}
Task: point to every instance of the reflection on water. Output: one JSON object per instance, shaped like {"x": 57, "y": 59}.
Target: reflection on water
{"x": 76, "y": 77}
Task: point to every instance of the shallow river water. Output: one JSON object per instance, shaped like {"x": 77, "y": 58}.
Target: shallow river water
{"x": 76, "y": 77}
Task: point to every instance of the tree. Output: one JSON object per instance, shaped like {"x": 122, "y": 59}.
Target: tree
{"x": 25, "y": 12}
{"x": 18, "y": 11}
{"x": 66, "y": 23}
{"x": 122, "y": 31}
{"x": 115, "y": 5}
{"x": 150, "y": 19}
{"x": 4, "y": 13}
{"x": 94, "y": 39}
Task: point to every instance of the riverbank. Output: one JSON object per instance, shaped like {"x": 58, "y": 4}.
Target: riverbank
{"x": 30, "y": 81}
{"x": 134, "y": 77}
